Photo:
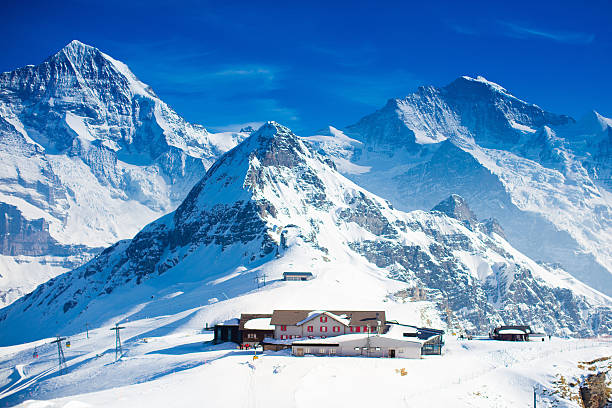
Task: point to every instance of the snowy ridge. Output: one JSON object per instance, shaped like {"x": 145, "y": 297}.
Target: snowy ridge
{"x": 546, "y": 178}
{"x": 273, "y": 204}
{"x": 92, "y": 150}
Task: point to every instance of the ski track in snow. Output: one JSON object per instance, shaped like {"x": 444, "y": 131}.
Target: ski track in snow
{"x": 183, "y": 369}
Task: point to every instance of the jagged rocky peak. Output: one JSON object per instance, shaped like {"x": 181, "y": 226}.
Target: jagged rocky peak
{"x": 247, "y": 129}
{"x": 456, "y": 207}
{"x": 81, "y": 125}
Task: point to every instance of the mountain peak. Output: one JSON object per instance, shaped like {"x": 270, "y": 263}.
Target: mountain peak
{"x": 75, "y": 52}
{"x": 272, "y": 128}
{"x": 483, "y": 80}
{"x": 76, "y": 44}
{"x": 456, "y": 207}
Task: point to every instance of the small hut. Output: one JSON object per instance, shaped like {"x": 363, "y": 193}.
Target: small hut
{"x": 511, "y": 333}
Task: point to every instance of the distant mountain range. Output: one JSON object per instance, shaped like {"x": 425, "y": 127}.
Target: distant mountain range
{"x": 385, "y": 212}
{"x": 89, "y": 156}
{"x": 545, "y": 177}
{"x": 273, "y": 199}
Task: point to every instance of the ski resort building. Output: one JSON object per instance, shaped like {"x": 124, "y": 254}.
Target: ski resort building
{"x": 254, "y": 328}
{"x": 297, "y": 276}
{"x": 511, "y": 333}
{"x": 321, "y": 332}
{"x": 227, "y": 331}
{"x": 292, "y": 324}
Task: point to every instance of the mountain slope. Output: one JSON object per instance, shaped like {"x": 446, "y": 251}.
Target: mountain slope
{"x": 544, "y": 176}
{"x": 273, "y": 204}
{"x": 90, "y": 155}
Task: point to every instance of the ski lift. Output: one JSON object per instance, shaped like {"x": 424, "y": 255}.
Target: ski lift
{"x": 67, "y": 344}
{"x": 35, "y": 353}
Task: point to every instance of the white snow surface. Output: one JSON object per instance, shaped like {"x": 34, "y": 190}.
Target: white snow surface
{"x": 169, "y": 362}
{"x": 545, "y": 178}
{"x": 305, "y": 234}
{"x": 260, "y": 323}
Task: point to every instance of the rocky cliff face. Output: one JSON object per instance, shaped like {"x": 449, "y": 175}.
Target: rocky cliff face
{"x": 545, "y": 177}
{"x": 274, "y": 198}
{"x": 91, "y": 150}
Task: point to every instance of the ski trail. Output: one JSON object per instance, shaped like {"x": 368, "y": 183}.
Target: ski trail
{"x": 21, "y": 385}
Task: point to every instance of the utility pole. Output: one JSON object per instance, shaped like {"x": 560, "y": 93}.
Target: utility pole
{"x": 264, "y": 279}
{"x": 60, "y": 354}
{"x": 87, "y": 329}
{"x": 257, "y": 281}
{"x": 118, "y": 351}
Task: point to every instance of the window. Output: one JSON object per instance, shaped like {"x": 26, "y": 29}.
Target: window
{"x": 372, "y": 329}
{"x": 283, "y": 337}
{"x": 357, "y": 329}
{"x": 323, "y": 319}
{"x": 365, "y": 329}
{"x": 323, "y": 328}
{"x": 310, "y": 329}
{"x": 332, "y": 351}
{"x": 336, "y": 329}
{"x": 251, "y": 336}
{"x": 377, "y": 348}
{"x": 356, "y": 348}
{"x": 352, "y": 329}
{"x": 321, "y": 351}
{"x": 283, "y": 328}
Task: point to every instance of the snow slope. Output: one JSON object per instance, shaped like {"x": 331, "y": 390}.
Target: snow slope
{"x": 273, "y": 204}
{"x": 92, "y": 151}
{"x": 169, "y": 363}
{"x": 544, "y": 177}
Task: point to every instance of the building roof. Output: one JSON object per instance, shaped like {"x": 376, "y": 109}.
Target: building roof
{"x": 260, "y": 323}
{"x": 230, "y": 322}
{"x": 423, "y": 333}
{"x": 336, "y": 340}
{"x": 298, "y": 273}
{"x": 314, "y": 343}
{"x": 524, "y": 329}
{"x": 355, "y": 318}
{"x": 511, "y": 331}
{"x": 246, "y": 317}
{"x": 316, "y": 313}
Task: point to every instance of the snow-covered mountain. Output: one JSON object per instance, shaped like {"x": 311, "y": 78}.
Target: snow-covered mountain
{"x": 544, "y": 177}
{"x": 274, "y": 204}
{"x": 89, "y": 155}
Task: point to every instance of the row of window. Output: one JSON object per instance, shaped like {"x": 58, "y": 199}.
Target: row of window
{"x": 330, "y": 351}
{"x": 285, "y": 337}
{"x": 336, "y": 329}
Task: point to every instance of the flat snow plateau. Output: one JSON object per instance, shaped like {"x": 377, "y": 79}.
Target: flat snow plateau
{"x": 164, "y": 366}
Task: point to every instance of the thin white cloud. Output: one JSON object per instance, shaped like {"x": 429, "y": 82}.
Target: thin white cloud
{"x": 249, "y": 71}
{"x": 523, "y": 32}
{"x": 236, "y": 127}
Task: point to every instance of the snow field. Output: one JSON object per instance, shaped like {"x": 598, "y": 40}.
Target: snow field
{"x": 181, "y": 370}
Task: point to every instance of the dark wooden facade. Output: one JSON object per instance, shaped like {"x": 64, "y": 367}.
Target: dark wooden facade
{"x": 511, "y": 333}
{"x": 227, "y": 333}
{"x": 254, "y": 336}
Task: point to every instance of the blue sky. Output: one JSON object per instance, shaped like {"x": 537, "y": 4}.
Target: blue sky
{"x": 312, "y": 64}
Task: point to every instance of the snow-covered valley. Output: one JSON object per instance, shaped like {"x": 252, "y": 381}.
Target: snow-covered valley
{"x": 169, "y": 361}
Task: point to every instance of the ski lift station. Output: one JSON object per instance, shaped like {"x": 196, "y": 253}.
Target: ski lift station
{"x": 331, "y": 333}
